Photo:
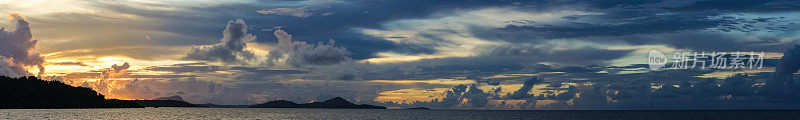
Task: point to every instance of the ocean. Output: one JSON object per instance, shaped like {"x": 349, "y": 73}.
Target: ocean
{"x": 316, "y": 114}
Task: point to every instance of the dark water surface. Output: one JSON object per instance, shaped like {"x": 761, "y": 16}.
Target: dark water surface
{"x": 291, "y": 113}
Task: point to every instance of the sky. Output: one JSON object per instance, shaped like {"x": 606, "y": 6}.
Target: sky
{"x": 456, "y": 54}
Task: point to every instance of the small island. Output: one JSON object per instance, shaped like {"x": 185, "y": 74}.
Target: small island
{"x": 336, "y": 102}
{"x": 419, "y": 108}
{"x": 171, "y": 101}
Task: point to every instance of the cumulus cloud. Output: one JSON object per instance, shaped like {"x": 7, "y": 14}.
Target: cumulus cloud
{"x": 301, "y": 53}
{"x": 115, "y": 71}
{"x": 476, "y": 97}
{"x": 232, "y": 48}
{"x": 119, "y": 68}
{"x": 119, "y": 81}
{"x": 193, "y": 90}
{"x": 783, "y": 75}
{"x": 7, "y": 68}
{"x": 19, "y": 47}
{"x": 522, "y": 92}
{"x": 471, "y": 97}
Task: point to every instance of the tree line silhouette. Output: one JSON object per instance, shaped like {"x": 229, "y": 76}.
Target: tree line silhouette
{"x": 31, "y": 92}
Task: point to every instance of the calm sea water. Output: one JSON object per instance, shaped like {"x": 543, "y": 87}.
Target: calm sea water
{"x": 289, "y": 113}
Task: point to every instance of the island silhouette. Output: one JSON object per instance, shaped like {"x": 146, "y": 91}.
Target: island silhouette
{"x": 418, "y": 108}
{"x": 337, "y": 102}
{"x": 171, "y": 101}
{"x": 33, "y": 93}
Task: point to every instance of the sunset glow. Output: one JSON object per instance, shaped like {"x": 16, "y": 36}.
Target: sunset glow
{"x": 485, "y": 55}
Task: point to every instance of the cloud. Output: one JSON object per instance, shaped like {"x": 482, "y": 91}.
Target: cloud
{"x": 231, "y": 50}
{"x": 183, "y": 68}
{"x": 591, "y": 25}
{"x": 490, "y": 38}
{"x": 742, "y": 6}
{"x": 564, "y": 56}
{"x": 7, "y": 68}
{"x": 193, "y": 90}
{"x": 302, "y": 53}
{"x": 522, "y": 92}
{"x": 19, "y": 46}
{"x": 302, "y": 12}
{"x": 115, "y": 71}
{"x": 694, "y": 25}
{"x": 67, "y": 63}
{"x": 476, "y": 97}
{"x": 297, "y": 12}
{"x": 347, "y": 15}
{"x": 120, "y": 68}
{"x": 783, "y": 75}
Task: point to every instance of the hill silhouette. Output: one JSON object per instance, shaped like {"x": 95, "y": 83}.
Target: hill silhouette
{"x": 171, "y": 101}
{"x": 174, "y": 97}
{"x": 336, "y": 102}
{"x": 165, "y": 103}
{"x": 418, "y": 108}
{"x": 210, "y": 105}
{"x": 30, "y": 92}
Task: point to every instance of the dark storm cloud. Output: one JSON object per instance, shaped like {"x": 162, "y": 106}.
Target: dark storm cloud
{"x": 580, "y": 56}
{"x": 203, "y": 68}
{"x": 315, "y": 28}
{"x": 122, "y": 67}
{"x": 501, "y": 60}
{"x": 185, "y": 68}
{"x": 371, "y": 14}
{"x": 275, "y": 72}
{"x": 788, "y": 65}
{"x": 742, "y": 5}
{"x": 67, "y": 63}
{"x": 364, "y": 46}
{"x": 696, "y": 25}
{"x": 160, "y": 76}
{"x": 334, "y": 20}
{"x": 266, "y": 71}
{"x": 621, "y": 26}
{"x": 522, "y": 92}
{"x": 712, "y": 41}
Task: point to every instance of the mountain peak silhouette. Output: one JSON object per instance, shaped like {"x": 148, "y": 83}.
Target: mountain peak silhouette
{"x": 171, "y": 101}
{"x": 337, "y": 102}
{"x": 174, "y": 97}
